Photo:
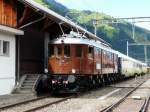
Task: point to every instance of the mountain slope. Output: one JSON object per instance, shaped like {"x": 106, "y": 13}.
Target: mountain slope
{"x": 115, "y": 34}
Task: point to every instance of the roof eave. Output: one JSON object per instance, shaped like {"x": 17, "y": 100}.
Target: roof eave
{"x": 10, "y": 30}
{"x": 60, "y": 18}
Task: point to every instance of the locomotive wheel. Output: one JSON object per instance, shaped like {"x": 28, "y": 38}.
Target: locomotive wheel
{"x": 99, "y": 81}
{"x": 90, "y": 82}
{"x": 106, "y": 79}
{"x": 113, "y": 80}
{"x": 96, "y": 81}
{"x": 82, "y": 83}
{"x": 109, "y": 78}
{"x": 103, "y": 80}
{"x": 93, "y": 82}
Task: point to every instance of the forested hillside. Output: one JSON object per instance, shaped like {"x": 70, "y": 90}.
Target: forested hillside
{"x": 116, "y": 34}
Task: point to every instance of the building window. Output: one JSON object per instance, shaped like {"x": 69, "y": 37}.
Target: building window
{"x": 6, "y": 48}
{"x": 66, "y": 51}
{"x": 78, "y": 51}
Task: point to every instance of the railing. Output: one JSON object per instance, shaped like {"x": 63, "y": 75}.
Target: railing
{"x": 36, "y": 82}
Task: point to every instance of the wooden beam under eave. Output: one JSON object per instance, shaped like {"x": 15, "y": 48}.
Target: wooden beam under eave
{"x": 47, "y": 24}
{"x": 27, "y": 14}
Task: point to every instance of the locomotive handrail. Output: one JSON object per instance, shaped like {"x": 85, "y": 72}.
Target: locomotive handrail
{"x": 36, "y": 82}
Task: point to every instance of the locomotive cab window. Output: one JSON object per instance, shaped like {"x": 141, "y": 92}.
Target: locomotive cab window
{"x": 51, "y": 51}
{"x": 90, "y": 52}
{"x": 58, "y": 51}
{"x": 78, "y": 51}
{"x": 67, "y": 51}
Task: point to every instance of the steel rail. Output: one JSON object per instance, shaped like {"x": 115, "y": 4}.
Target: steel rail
{"x": 145, "y": 105}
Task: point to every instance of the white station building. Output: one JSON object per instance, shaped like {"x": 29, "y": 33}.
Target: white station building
{"x": 7, "y": 58}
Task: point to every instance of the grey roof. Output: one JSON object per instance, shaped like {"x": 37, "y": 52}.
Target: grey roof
{"x": 58, "y": 18}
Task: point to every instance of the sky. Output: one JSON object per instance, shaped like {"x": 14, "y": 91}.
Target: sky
{"x": 115, "y": 8}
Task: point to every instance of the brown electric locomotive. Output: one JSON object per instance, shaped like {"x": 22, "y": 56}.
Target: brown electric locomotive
{"x": 76, "y": 62}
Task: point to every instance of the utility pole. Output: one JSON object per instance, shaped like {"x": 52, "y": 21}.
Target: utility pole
{"x": 145, "y": 53}
{"x": 133, "y": 29}
{"x": 127, "y": 48}
{"x": 95, "y": 26}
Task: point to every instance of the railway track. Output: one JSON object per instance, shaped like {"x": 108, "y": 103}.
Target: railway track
{"x": 145, "y": 105}
{"x": 21, "y": 102}
{"x": 110, "y": 108}
{"x": 31, "y": 105}
{"x": 48, "y": 104}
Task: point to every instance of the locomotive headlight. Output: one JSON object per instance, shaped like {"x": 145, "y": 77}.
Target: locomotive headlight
{"x": 65, "y": 82}
{"x": 53, "y": 81}
{"x": 71, "y": 78}
{"x": 46, "y": 70}
{"x": 73, "y": 71}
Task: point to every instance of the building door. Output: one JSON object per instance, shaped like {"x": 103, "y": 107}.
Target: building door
{"x": 32, "y": 51}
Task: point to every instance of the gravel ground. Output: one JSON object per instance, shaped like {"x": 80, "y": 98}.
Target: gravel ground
{"x": 88, "y": 103}
{"x": 93, "y": 101}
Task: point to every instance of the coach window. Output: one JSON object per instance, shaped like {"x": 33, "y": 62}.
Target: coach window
{"x": 107, "y": 55}
{"x": 90, "y": 52}
{"x": 99, "y": 53}
{"x": 51, "y": 51}
{"x": 58, "y": 51}
{"x": 112, "y": 56}
{"x": 78, "y": 51}
{"x": 6, "y": 48}
{"x": 66, "y": 51}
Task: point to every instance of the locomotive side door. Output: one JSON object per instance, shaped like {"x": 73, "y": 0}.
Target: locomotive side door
{"x": 97, "y": 58}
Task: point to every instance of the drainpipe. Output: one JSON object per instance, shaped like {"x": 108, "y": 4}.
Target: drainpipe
{"x": 17, "y": 60}
{"x": 46, "y": 41}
